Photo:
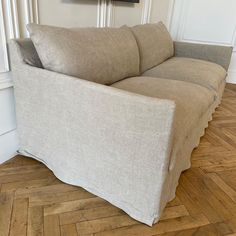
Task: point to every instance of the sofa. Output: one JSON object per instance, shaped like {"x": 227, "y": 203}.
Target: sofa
{"x": 116, "y": 111}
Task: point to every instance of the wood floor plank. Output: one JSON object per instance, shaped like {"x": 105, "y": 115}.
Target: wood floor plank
{"x": 221, "y": 207}
{"x": 174, "y": 212}
{"x": 215, "y": 134}
{"x": 35, "y": 221}
{"x": 89, "y": 214}
{"x": 34, "y": 202}
{"x": 104, "y": 224}
{"x": 201, "y": 201}
{"x": 218, "y": 229}
{"x": 74, "y": 206}
{"x": 29, "y": 184}
{"x": 232, "y": 224}
{"x": 23, "y": 161}
{"x": 69, "y": 230}
{"x": 220, "y": 167}
{"x": 188, "y": 200}
{"x": 43, "y": 190}
{"x": 175, "y": 202}
{"x": 214, "y": 158}
{"x": 177, "y": 224}
{"x": 58, "y": 197}
{"x": 225, "y": 188}
{"x": 25, "y": 177}
{"x": 6, "y": 203}
{"x": 228, "y": 177}
{"x": 19, "y": 217}
{"x": 21, "y": 169}
{"x": 52, "y": 226}
{"x": 223, "y": 228}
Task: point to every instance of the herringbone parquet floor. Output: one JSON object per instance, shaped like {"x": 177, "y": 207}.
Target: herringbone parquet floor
{"x": 34, "y": 202}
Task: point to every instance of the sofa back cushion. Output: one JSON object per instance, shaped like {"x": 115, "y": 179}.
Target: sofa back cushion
{"x": 155, "y": 44}
{"x": 102, "y": 55}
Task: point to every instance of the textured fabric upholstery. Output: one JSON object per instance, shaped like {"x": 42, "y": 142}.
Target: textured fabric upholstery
{"x": 155, "y": 44}
{"x": 196, "y": 71}
{"x": 29, "y": 53}
{"x": 218, "y": 54}
{"x": 192, "y": 100}
{"x": 128, "y": 147}
{"x": 103, "y": 55}
{"x": 108, "y": 141}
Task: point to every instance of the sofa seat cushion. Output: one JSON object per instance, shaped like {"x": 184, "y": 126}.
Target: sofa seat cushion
{"x": 155, "y": 44}
{"x": 101, "y": 55}
{"x": 192, "y": 100}
{"x": 196, "y": 71}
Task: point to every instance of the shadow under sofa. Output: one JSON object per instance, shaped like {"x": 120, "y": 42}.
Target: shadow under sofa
{"x": 127, "y": 141}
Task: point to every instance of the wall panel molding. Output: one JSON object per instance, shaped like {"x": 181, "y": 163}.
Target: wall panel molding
{"x": 110, "y": 14}
{"x": 13, "y": 18}
{"x": 5, "y": 67}
{"x": 31, "y": 11}
{"x": 105, "y": 13}
{"x": 36, "y": 7}
{"x": 146, "y": 11}
{"x": 10, "y": 26}
{"x": 101, "y": 13}
{"x": 180, "y": 27}
{"x": 170, "y": 14}
{"x": 182, "y": 19}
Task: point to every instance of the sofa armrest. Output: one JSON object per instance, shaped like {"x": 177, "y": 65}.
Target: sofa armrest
{"x": 218, "y": 54}
{"x": 114, "y": 143}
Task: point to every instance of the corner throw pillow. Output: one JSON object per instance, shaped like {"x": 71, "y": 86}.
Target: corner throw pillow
{"x": 102, "y": 55}
{"x": 30, "y": 55}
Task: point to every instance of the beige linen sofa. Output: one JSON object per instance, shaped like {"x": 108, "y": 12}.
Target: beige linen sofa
{"x": 116, "y": 111}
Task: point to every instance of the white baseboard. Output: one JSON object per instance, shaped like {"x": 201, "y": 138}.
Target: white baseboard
{"x": 8, "y": 145}
{"x": 231, "y": 78}
{"x": 5, "y": 80}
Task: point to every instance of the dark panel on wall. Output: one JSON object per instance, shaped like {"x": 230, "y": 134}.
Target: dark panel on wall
{"x": 133, "y": 1}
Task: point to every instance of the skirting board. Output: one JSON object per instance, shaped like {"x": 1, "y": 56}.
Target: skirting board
{"x": 231, "y": 78}
{"x": 8, "y": 145}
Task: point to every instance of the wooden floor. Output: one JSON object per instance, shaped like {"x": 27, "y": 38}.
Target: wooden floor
{"x": 34, "y": 202}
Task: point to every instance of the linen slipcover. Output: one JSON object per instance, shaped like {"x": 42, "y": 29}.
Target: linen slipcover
{"x": 205, "y": 73}
{"x": 192, "y": 101}
{"x": 117, "y": 144}
{"x": 101, "y": 55}
{"x": 30, "y": 55}
{"x": 214, "y": 53}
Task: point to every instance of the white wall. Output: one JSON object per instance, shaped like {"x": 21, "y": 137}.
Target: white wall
{"x": 211, "y": 22}
{"x": 80, "y": 13}
{"x": 75, "y": 13}
{"x": 162, "y": 11}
